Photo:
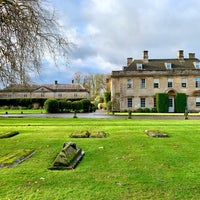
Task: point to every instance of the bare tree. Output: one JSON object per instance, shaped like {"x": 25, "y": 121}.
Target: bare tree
{"x": 28, "y": 32}
{"x": 96, "y": 84}
{"x": 77, "y": 77}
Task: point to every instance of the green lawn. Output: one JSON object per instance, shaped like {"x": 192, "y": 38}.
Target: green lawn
{"x": 126, "y": 165}
{"x": 24, "y": 111}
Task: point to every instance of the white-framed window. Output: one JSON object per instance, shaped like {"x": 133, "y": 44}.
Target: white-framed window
{"x": 142, "y": 83}
{"x": 169, "y": 83}
{"x": 168, "y": 65}
{"x": 129, "y": 102}
{"x": 142, "y": 102}
{"x": 156, "y": 83}
{"x": 75, "y": 94}
{"x": 25, "y": 95}
{"x": 197, "y": 65}
{"x": 198, "y": 82}
{"x": 42, "y": 95}
{"x": 184, "y": 82}
{"x": 197, "y": 101}
{"x": 129, "y": 83}
{"x": 139, "y": 66}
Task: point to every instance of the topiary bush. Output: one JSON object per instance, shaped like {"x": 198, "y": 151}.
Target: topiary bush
{"x": 51, "y": 106}
{"x": 180, "y": 102}
{"x": 62, "y": 104}
{"x": 162, "y": 102}
{"x": 86, "y": 105}
{"x": 77, "y": 106}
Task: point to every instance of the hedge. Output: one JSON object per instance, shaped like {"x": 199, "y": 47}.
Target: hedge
{"x": 51, "y": 106}
{"x": 24, "y": 102}
{"x": 162, "y": 102}
{"x": 180, "y": 102}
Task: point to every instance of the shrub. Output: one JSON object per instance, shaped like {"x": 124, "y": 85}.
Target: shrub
{"x": 68, "y": 106}
{"x": 77, "y": 106}
{"x": 62, "y": 105}
{"x": 146, "y": 110}
{"x": 86, "y": 105}
{"x": 154, "y": 110}
{"x": 180, "y": 102}
{"x": 92, "y": 107}
{"x": 140, "y": 110}
{"x": 107, "y": 97}
{"x": 162, "y": 102}
{"x": 51, "y": 106}
{"x": 109, "y": 105}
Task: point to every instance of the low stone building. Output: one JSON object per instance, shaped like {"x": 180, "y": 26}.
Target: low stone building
{"x": 136, "y": 85}
{"x": 60, "y": 91}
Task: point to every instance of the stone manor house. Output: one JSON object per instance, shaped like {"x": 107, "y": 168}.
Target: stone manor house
{"x": 136, "y": 85}
{"x": 56, "y": 90}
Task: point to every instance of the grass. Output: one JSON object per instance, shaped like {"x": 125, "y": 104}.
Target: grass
{"x": 126, "y": 165}
{"x": 24, "y": 111}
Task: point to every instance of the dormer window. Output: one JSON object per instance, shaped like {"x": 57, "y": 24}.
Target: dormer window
{"x": 139, "y": 66}
{"x": 168, "y": 65}
{"x": 197, "y": 65}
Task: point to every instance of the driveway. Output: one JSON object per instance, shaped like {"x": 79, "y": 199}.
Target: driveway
{"x": 99, "y": 114}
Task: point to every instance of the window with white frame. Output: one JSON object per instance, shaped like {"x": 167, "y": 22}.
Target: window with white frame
{"x": 142, "y": 102}
{"x": 168, "y": 65}
{"x": 129, "y": 83}
{"x": 197, "y": 82}
{"x": 197, "y": 101}
{"x": 60, "y": 95}
{"x": 142, "y": 83}
{"x": 129, "y": 102}
{"x": 169, "y": 83}
{"x": 156, "y": 83}
{"x": 184, "y": 82}
{"x": 139, "y": 66}
{"x": 197, "y": 65}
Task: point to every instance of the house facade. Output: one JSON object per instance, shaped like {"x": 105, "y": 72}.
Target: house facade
{"x": 136, "y": 85}
{"x": 60, "y": 91}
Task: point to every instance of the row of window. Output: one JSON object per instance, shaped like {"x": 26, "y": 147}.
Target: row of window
{"x": 168, "y": 65}
{"x": 42, "y": 95}
{"x": 156, "y": 83}
{"x": 143, "y": 102}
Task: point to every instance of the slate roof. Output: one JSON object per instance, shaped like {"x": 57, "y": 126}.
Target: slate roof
{"x": 44, "y": 87}
{"x": 159, "y": 64}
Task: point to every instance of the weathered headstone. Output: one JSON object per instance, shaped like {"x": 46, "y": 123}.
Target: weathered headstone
{"x": 68, "y": 158}
{"x": 155, "y": 133}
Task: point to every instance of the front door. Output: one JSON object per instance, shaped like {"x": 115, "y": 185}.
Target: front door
{"x": 171, "y": 104}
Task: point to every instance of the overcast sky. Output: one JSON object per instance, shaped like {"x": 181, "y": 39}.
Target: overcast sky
{"x": 106, "y": 32}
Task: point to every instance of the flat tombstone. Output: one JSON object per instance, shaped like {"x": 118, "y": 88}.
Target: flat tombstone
{"x": 156, "y": 133}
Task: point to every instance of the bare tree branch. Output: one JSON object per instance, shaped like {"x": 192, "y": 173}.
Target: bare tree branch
{"x": 28, "y": 31}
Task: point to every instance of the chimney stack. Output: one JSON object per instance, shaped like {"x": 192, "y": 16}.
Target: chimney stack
{"x": 129, "y": 61}
{"x": 180, "y": 55}
{"x": 191, "y": 55}
{"x": 145, "y": 56}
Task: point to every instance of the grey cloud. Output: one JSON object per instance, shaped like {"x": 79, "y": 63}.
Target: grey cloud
{"x": 114, "y": 30}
